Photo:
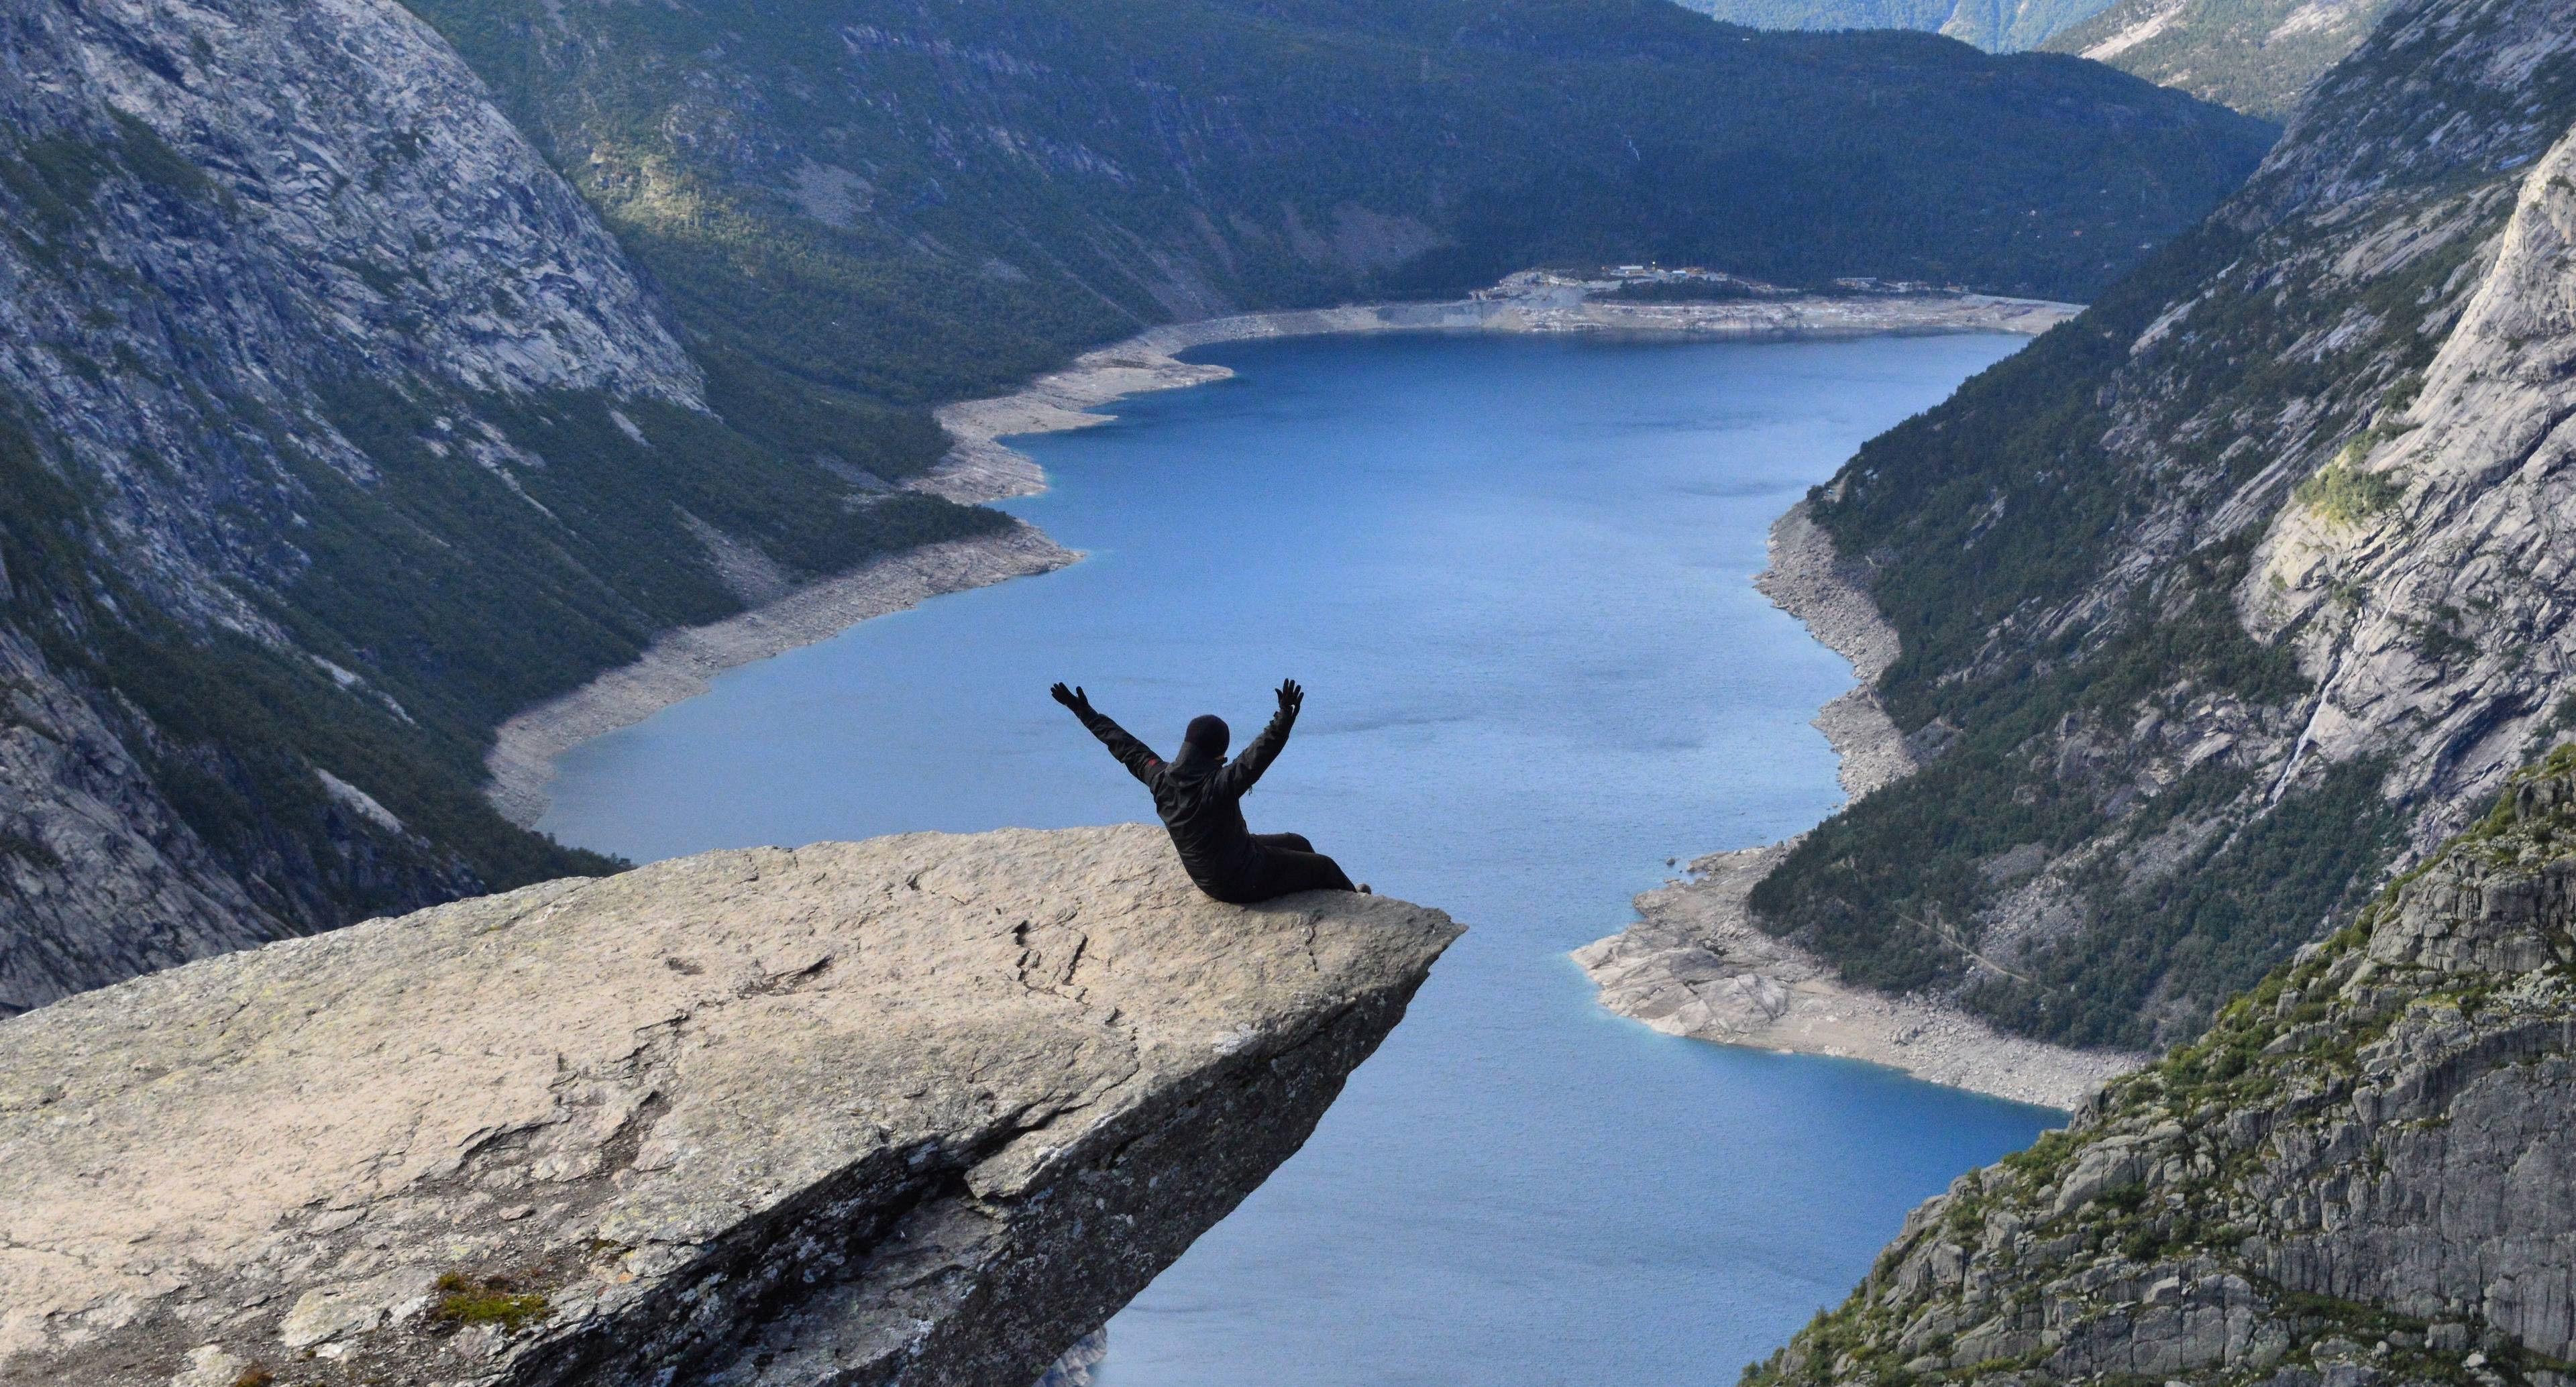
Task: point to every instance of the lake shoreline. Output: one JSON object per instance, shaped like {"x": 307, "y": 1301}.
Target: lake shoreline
{"x": 978, "y": 469}
{"x": 1695, "y": 965}
{"x": 678, "y": 664}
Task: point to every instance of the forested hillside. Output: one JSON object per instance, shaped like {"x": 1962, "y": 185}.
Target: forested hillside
{"x": 905, "y": 202}
{"x": 2222, "y": 596}
{"x": 345, "y": 410}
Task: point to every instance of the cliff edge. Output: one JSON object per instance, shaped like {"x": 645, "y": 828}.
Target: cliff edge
{"x": 923, "y": 1109}
{"x": 2356, "y": 1177}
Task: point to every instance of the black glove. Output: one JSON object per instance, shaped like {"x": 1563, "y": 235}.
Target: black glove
{"x": 1072, "y": 698}
{"x": 1291, "y": 697}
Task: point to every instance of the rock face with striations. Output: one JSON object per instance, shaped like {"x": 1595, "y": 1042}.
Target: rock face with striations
{"x": 2359, "y": 1176}
{"x": 2242, "y": 588}
{"x": 924, "y": 1109}
{"x": 320, "y": 387}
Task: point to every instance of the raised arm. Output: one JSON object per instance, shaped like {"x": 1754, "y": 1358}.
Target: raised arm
{"x": 1240, "y": 773}
{"x": 1139, "y": 759}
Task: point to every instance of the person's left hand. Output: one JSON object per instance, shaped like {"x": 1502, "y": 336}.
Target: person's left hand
{"x": 1075, "y": 699}
{"x": 1291, "y": 697}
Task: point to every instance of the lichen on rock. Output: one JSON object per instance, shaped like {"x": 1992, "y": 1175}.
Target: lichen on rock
{"x": 922, "y": 1109}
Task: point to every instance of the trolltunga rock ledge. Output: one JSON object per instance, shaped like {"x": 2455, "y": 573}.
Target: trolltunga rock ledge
{"x": 918, "y": 1110}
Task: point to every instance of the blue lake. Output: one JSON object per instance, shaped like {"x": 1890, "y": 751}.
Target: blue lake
{"x": 1515, "y": 575}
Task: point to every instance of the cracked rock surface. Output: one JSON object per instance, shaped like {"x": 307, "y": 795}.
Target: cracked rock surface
{"x": 2358, "y": 1178}
{"x": 924, "y": 1109}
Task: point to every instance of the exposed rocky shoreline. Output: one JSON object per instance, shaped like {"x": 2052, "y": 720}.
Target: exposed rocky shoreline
{"x": 979, "y": 468}
{"x": 1696, "y": 966}
{"x": 678, "y": 665}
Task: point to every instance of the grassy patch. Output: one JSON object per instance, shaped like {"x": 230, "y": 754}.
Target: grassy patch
{"x": 467, "y": 1300}
{"x": 2344, "y": 494}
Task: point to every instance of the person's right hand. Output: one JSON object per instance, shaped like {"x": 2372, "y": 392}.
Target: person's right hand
{"x": 1071, "y": 698}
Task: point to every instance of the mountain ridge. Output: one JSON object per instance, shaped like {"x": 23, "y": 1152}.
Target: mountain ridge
{"x": 2080, "y": 550}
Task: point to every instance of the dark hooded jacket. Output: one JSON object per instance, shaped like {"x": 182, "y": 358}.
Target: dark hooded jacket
{"x": 1200, "y": 797}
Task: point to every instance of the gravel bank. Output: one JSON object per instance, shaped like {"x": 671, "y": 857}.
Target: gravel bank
{"x": 678, "y": 665}
{"x": 1695, "y": 965}
{"x": 980, "y": 468}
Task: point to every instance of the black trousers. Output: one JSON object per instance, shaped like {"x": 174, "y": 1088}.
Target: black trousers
{"x": 1287, "y": 864}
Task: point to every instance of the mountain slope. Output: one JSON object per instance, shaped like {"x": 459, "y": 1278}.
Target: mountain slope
{"x": 2255, "y": 55}
{"x": 333, "y": 427}
{"x": 2358, "y": 1176}
{"x": 905, "y": 201}
{"x": 2013, "y": 26}
{"x": 2243, "y": 585}
{"x": 336, "y": 425}
{"x": 1997, "y": 26}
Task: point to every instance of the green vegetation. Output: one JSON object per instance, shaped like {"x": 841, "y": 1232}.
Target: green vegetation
{"x": 2187, "y": 932}
{"x": 2031, "y": 541}
{"x": 496, "y": 1300}
{"x": 2010, "y": 26}
{"x": 2345, "y": 494}
{"x": 911, "y": 205}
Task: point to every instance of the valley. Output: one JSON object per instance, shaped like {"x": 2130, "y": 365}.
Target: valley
{"x": 2017, "y": 554}
{"x": 474, "y": 356}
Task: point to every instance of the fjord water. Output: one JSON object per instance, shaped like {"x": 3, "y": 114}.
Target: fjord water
{"x": 1515, "y": 575}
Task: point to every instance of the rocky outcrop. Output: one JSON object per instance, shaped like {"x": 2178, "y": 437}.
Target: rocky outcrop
{"x": 2244, "y": 587}
{"x": 924, "y": 1109}
{"x": 334, "y": 428}
{"x": 2428, "y": 576}
{"x": 2357, "y": 1177}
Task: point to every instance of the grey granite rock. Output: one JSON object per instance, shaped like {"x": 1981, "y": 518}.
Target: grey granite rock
{"x": 924, "y": 1109}
{"x": 2360, "y": 1175}
{"x": 217, "y": 214}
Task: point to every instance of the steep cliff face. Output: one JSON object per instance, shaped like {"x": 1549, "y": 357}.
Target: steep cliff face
{"x": 2425, "y": 576}
{"x": 333, "y": 426}
{"x": 923, "y": 1109}
{"x": 2357, "y": 1176}
{"x": 2242, "y": 586}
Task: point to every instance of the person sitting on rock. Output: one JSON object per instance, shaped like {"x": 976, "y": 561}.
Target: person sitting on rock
{"x": 1200, "y": 796}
